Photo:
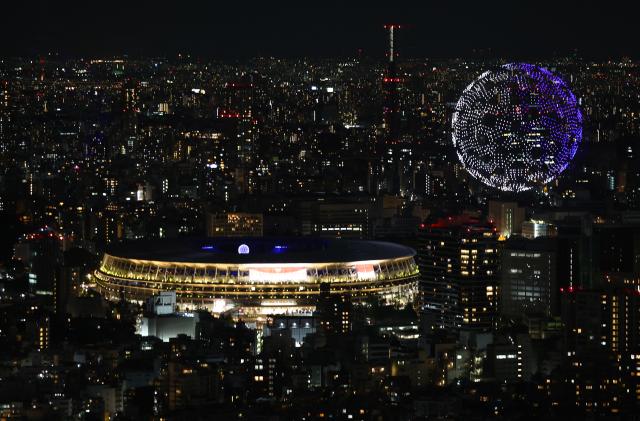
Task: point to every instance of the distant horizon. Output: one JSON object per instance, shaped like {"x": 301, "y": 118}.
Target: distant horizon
{"x": 225, "y": 58}
{"x": 330, "y": 28}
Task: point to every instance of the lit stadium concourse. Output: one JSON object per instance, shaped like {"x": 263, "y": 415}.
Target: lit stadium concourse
{"x": 251, "y": 277}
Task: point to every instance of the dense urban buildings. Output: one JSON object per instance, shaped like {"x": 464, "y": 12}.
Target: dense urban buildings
{"x": 197, "y": 237}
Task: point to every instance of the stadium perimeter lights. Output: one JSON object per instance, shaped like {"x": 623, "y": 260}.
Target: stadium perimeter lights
{"x": 257, "y": 276}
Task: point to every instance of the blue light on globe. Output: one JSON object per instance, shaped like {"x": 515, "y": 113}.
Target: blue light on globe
{"x": 517, "y": 127}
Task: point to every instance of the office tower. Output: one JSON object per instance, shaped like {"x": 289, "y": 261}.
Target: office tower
{"x": 574, "y": 256}
{"x": 457, "y": 257}
{"x": 507, "y": 217}
{"x": 70, "y": 276}
{"x": 537, "y": 228}
{"x": 337, "y": 218}
{"x": 616, "y": 250}
{"x": 41, "y": 252}
{"x": 527, "y": 277}
{"x": 601, "y": 320}
{"x": 509, "y": 359}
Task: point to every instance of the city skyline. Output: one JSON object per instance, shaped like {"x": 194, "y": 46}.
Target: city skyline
{"x": 328, "y": 211}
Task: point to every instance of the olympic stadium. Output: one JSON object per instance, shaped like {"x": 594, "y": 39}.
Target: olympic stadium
{"x": 257, "y": 276}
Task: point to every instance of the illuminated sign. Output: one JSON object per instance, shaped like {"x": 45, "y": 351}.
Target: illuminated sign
{"x": 365, "y": 271}
{"x": 243, "y": 249}
{"x": 277, "y": 274}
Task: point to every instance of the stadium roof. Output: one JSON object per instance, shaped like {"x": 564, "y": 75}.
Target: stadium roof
{"x": 259, "y": 250}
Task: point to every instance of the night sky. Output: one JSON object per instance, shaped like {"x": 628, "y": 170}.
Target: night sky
{"x": 210, "y": 28}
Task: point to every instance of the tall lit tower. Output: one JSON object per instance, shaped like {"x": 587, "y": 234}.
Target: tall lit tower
{"x": 458, "y": 260}
{"x": 391, "y": 165}
{"x": 391, "y": 28}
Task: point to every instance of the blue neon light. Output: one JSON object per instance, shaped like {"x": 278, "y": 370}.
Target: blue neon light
{"x": 279, "y": 248}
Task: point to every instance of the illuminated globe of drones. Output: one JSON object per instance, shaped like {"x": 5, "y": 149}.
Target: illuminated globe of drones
{"x": 516, "y": 127}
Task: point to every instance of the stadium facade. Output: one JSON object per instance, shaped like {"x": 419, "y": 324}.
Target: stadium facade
{"x": 257, "y": 276}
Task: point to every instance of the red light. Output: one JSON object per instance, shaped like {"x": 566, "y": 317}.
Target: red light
{"x": 392, "y": 80}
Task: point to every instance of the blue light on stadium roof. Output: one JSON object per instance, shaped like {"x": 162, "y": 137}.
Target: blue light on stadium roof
{"x": 279, "y": 248}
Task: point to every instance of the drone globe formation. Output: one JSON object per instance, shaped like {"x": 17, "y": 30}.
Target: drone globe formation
{"x": 517, "y": 127}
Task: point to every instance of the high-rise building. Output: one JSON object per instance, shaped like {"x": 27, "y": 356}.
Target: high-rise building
{"x": 391, "y": 150}
{"x": 507, "y": 217}
{"x": 333, "y": 312}
{"x": 458, "y": 260}
{"x": 574, "y": 253}
{"x": 70, "y": 278}
{"x": 602, "y": 320}
{"x": 41, "y": 252}
{"x": 335, "y": 218}
{"x": 616, "y": 250}
{"x": 528, "y": 277}
{"x": 509, "y": 360}
{"x": 39, "y": 330}
{"x": 536, "y": 228}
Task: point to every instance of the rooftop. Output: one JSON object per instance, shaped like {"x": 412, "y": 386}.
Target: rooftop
{"x": 253, "y": 250}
